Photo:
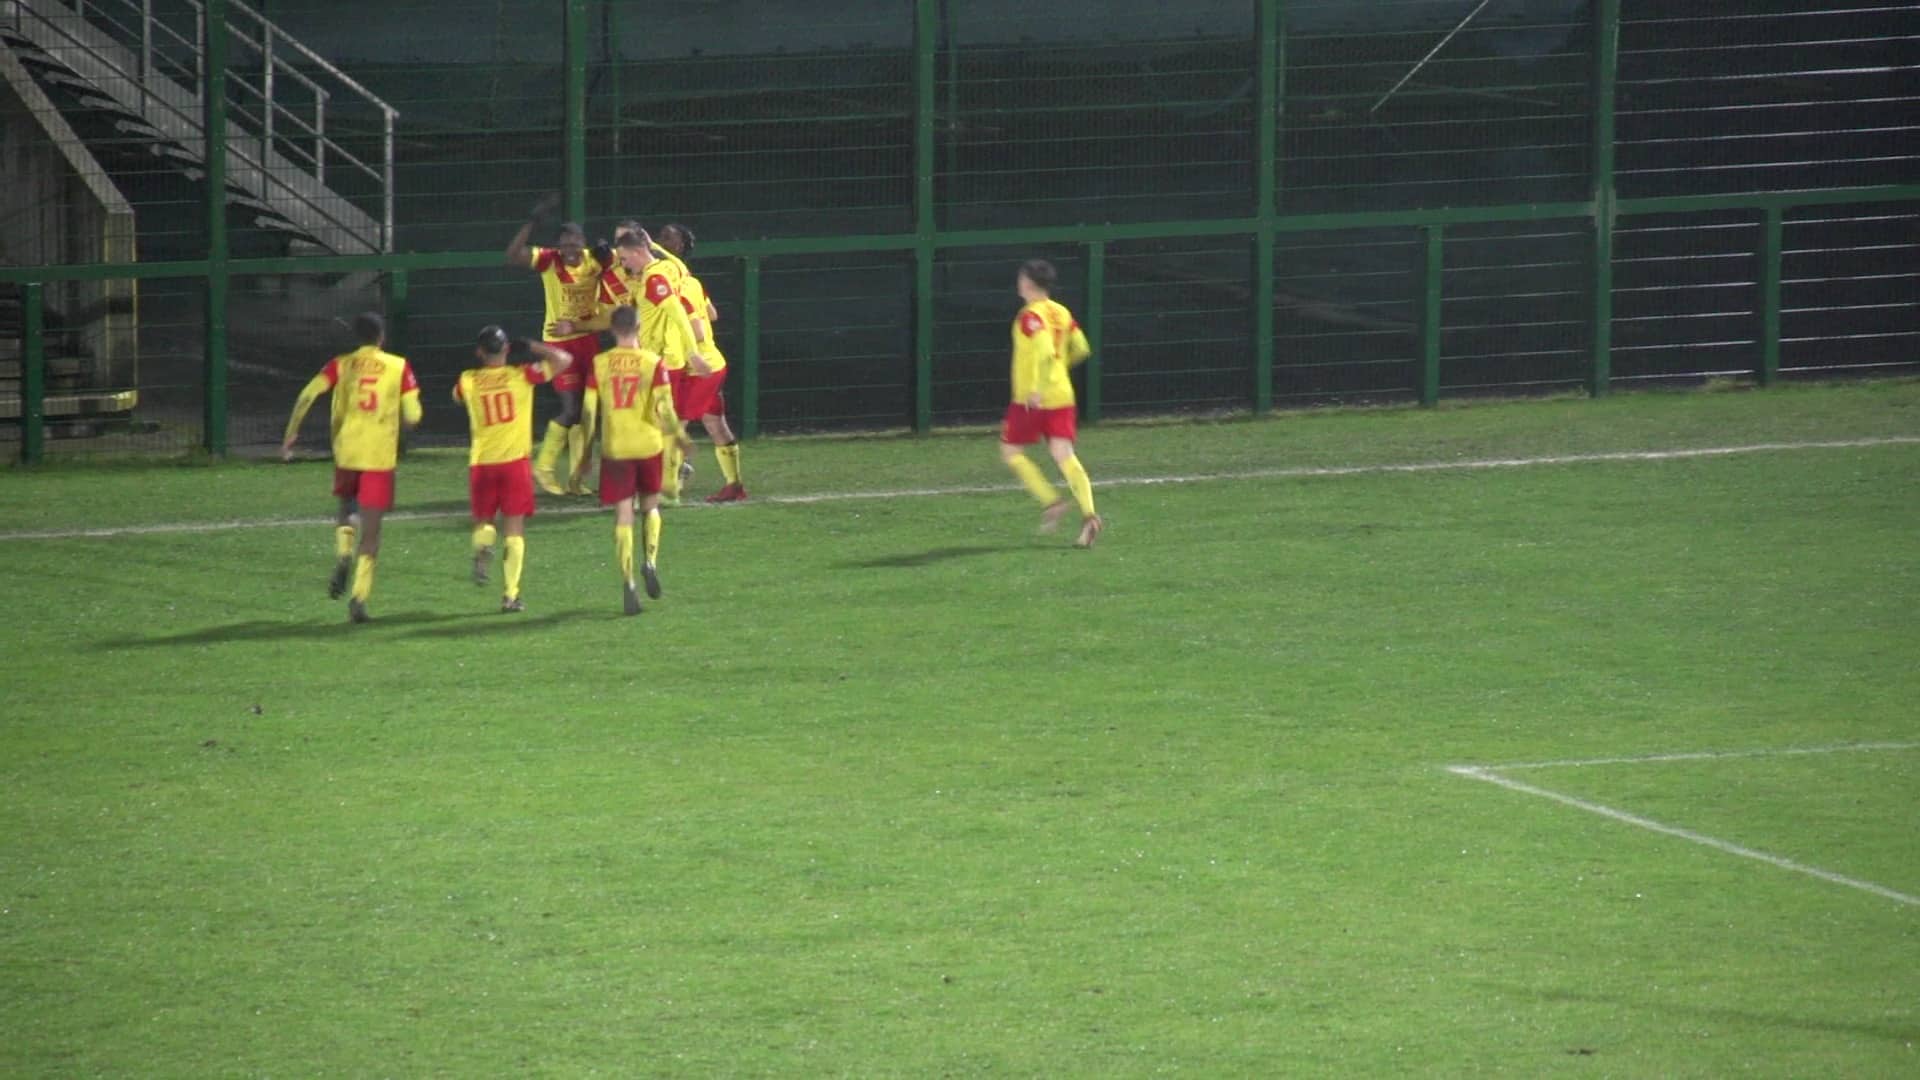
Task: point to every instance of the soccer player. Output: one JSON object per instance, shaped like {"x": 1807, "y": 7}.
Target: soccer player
{"x": 570, "y": 276}
{"x": 700, "y": 395}
{"x": 629, "y": 395}
{"x": 664, "y": 328}
{"x": 499, "y": 401}
{"x": 374, "y": 393}
{"x": 1046, "y": 344}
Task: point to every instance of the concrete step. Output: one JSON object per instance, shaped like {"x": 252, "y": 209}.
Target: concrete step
{"x": 85, "y": 403}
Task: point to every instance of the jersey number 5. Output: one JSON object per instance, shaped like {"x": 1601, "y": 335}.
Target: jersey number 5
{"x": 625, "y": 389}
{"x": 496, "y": 408}
{"x": 369, "y": 397}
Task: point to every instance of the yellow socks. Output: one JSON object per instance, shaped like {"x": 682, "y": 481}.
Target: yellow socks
{"x": 729, "y": 456}
{"x": 623, "y": 551}
{"x": 1079, "y": 483}
{"x": 343, "y": 542}
{"x": 363, "y": 578}
{"x": 515, "y": 561}
{"x": 670, "y": 470}
{"x": 556, "y": 438}
{"x": 1036, "y": 482}
{"x": 578, "y": 451}
{"x": 483, "y": 537}
{"x": 652, "y": 535}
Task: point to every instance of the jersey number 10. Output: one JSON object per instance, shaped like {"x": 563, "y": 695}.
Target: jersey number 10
{"x": 496, "y": 408}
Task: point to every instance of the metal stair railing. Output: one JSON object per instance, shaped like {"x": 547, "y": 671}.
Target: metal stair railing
{"x": 163, "y": 74}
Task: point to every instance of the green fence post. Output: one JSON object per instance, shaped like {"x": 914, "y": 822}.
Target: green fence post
{"x": 213, "y": 122}
{"x": 396, "y": 305}
{"x": 1266, "y": 197}
{"x": 1770, "y": 255}
{"x": 1431, "y": 292}
{"x": 33, "y": 372}
{"x": 750, "y": 349}
{"x": 574, "y": 61}
{"x": 926, "y": 32}
{"x": 1096, "y": 320}
{"x": 1606, "y": 69}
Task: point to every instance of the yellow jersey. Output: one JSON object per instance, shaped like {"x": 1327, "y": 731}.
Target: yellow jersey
{"x": 632, "y": 394}
{"x": 1046, "y": 343}
{"x": 573, "y": 292}
{"x": 663, "y": 326}
{"x": 499, "y": 403}
{"x": 693, "y": 297}
{"x": 373, "y": 391}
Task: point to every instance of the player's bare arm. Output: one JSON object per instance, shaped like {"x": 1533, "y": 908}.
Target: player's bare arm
{"x": 519, "y": 249}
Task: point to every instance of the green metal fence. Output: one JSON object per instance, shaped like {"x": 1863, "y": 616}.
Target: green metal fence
{"x": 1273, "y": 202}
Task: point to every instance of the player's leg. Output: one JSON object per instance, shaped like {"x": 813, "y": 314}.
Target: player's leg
{"x": 364, "y": 565}
{"x": 618, "y": 483}
{"x": 375, "y": 498}
{"x": 567, "y": 386}
{"x": 345, "y": 484}
{"x": 1062, "y": 450}
{"x": 1018, "y": 429}
{"x": 678, "y": 470}
{"x": 516, "y": 506}
{"x": 515, "y": 527}
{"x": 710, "y": 406}
{"x": 651, "y": 477}
{"x": 482, "y": 502}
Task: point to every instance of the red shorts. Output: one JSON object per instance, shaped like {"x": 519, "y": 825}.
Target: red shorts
{"x": 623, "y": 478}
{"x": 1023, "y": 425}
{"x": 372, "y": 490}
{"x": 502, "y": 488}
{"x": 677, "y": 379}
{"x": 702, "y": 394}
{"x": 583, "y": 349}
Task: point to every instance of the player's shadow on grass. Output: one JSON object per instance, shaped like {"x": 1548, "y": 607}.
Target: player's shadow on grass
{"x": 909, "y": 559}
{"x": 319, "y": 628}
{"x": 1892, "y": 1032}
{"x": 497, "y": 623}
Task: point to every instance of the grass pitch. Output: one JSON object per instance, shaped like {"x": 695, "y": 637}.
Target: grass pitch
{"x": 888, "y": 786}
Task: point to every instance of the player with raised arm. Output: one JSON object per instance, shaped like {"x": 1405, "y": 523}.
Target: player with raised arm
{"x": 499, "y": 400}
{"x": 1047, "y": 342}
{"x": 701, "y": 395}
{"x": 664, "y": 328}
{"x": 630, "y": 398}
{"x": 374, "y": 393}
{"x": 570, "y": 277}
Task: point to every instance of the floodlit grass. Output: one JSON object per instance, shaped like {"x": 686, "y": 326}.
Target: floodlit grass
{"x": 891, "y": 787}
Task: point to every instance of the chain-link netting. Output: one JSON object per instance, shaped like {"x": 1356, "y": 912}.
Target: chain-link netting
{"x": 1132, "y": 132}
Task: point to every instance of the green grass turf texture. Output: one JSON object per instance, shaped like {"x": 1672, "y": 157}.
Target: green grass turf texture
{"x": 892, "y": 787}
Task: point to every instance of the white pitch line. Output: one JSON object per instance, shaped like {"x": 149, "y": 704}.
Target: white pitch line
{"x": 1474, "y": 772}
{"x": 1700, "y": 755}
{"x": 1276, "y": 473}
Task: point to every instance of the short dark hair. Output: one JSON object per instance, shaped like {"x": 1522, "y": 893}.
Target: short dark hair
{"x": 492, "y": 340}
{"x": 629, "y": 241}
{"x": 572, "y": 228}
{"x": 369, "y": 328}
{"x": 627, "y": 226}
{"x": 1040, "y": 272}
{"x": 685, "y": 234}
{"x": 625, "y": 320}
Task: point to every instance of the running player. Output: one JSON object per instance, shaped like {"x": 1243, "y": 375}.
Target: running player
{"x": 374, "y": 393}
{"x": 499, "y": 401}
{"x": 700, "y": 395}
{"x": 570, "y": 276}
{"x": 664, "y": 329}
{"x": 1046, "y": 344}
{"x": 628, "y": 394}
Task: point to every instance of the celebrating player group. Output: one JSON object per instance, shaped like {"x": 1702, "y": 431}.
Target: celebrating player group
{"x": 658, "y": 368}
